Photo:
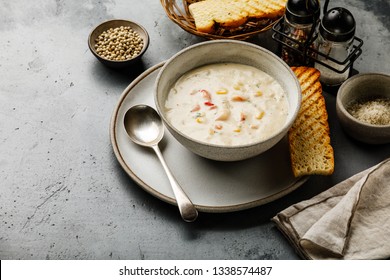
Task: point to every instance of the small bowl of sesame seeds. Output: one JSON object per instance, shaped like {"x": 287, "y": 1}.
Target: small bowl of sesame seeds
{"x": 363, "y": 107}
{"x": 118, "y": 43}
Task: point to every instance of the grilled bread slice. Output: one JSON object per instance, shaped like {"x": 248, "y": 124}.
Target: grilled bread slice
{"x": 230, "y": 14}
{"x": 311, "y": 151}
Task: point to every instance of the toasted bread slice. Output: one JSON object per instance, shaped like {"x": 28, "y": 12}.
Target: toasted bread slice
{"x": 230, "y": 14}
{"x": 310, "y": 146}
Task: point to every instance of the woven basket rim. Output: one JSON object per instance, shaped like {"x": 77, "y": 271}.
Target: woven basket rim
{"x": 179, "y": 14}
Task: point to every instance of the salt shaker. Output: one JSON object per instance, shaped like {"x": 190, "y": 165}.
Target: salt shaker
{"x": 335, "y": 38}
{"x": 300, "y": 22}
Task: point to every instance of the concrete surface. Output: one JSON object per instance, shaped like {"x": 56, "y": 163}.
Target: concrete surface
{"x": 62, "y": 193}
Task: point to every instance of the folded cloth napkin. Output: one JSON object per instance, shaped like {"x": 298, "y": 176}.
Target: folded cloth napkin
{"x": 348, "y": 221}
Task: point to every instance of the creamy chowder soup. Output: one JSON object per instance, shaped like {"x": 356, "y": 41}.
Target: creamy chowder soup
{"x": 227, "y": 104}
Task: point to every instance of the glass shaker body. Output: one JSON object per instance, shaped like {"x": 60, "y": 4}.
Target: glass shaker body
{"x": 338, "y": 51}
{"x": 335, "y": 39}
{"x": 300, "y": 21}
{"x": 300, "y": 33}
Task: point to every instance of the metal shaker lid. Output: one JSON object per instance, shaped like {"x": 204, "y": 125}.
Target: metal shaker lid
{"x": 302, "y": 11}
{"x": 338, "y": 25}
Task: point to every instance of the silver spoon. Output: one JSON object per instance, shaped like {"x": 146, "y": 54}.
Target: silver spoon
{"x": 144, "y": 127}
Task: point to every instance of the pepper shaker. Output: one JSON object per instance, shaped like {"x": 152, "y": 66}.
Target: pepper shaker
{"x": 300, "y": 23}
{"x": 335, "y": 38}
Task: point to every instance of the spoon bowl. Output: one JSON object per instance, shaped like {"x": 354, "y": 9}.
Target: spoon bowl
{"x": 144, "y": 127}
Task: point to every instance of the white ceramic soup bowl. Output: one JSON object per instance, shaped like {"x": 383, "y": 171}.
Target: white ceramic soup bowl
{"x": 227, "y": 51}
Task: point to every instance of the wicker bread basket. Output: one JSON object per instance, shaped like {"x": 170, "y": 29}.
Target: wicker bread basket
{"x": 177, "y": 11}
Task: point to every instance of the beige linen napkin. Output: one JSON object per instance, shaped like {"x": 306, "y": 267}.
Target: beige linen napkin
{"x": 348, "y": 221}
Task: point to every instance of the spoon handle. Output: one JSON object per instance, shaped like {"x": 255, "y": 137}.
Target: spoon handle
{"x": 187, "y": 209}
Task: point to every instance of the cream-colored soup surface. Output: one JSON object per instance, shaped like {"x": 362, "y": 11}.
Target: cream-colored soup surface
{"x": 227, "y": 104}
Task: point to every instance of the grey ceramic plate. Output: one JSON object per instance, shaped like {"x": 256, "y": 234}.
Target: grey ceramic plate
{"x": 212, "y": 186}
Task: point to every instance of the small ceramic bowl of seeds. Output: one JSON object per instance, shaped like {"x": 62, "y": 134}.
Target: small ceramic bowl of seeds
{"x": 363, "y": 107}
{"x": 118, "y": 43}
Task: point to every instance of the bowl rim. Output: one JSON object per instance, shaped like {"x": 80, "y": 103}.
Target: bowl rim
{"x": 342, "y": 107}
{"x": 144, "y": 48}
{"x": 242, "y": 146}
